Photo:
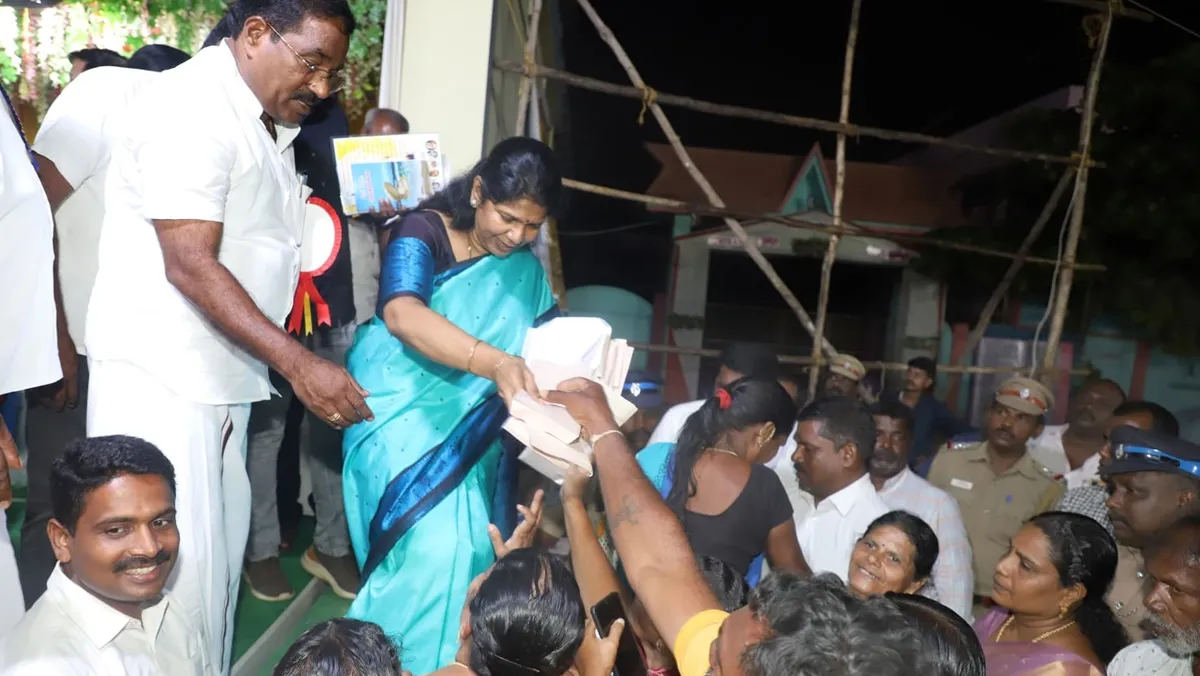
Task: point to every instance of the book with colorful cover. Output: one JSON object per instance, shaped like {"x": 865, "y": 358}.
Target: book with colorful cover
{"x": 388, "y": 174}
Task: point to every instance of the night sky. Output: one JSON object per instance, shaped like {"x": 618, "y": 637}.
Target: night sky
{"x": 935, "y": 66}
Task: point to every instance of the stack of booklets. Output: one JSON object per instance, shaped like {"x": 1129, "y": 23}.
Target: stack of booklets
{"x": 561, "y": 349}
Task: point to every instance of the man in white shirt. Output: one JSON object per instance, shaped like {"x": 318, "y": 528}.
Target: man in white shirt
{"x": 1072, "y": 450}
{"x": 28, "y": 353}
{"x": 114, "y": 535}
{"x": 953, "y": 580}
{"x": 72, "y": 149}
{"x": 1173, "y": 598}
{"x": 199, "y": 259}
{"x": 835, "y": 439}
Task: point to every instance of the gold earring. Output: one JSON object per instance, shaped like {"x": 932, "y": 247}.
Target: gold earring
{"x": 1062, "y": 612}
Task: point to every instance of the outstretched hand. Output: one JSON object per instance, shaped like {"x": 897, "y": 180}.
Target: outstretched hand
{"x": 524, "y": 533}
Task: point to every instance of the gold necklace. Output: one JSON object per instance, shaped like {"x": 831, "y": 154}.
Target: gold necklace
{"x": 1039, "y": 639}
{"x": 722, "y": 450}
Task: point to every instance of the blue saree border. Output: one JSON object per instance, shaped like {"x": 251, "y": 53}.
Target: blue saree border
{"x": 425, "y": 483}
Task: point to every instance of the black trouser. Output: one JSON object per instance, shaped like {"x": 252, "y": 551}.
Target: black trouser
{"x": 47, "y": 433}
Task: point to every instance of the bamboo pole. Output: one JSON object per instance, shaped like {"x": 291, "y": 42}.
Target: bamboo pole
{"x": 808, "y": 223}
{"x": 524, "y": 93}
{"x": 639, "y": 93}
{"x": 806, "y": 360}
{"x": 989, "y": 309}
{"x": 839, "y": 194}
{"x": 1067, "y": 275}
{"x": 649, "y": 101}
{"x": 1103, "y": 6}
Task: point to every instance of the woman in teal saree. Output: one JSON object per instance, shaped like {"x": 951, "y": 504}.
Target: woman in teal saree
{"x": 422, "y": 481}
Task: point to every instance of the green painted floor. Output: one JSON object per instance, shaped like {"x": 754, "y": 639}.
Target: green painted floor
{"x": 253, "y": 616}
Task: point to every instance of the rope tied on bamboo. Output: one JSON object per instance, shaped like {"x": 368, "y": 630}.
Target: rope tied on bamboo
{"x": 648, "y": 97}
{"x": 529, "y": 67}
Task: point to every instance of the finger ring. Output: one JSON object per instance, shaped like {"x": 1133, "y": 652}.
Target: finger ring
{"x": 335, "y": 417}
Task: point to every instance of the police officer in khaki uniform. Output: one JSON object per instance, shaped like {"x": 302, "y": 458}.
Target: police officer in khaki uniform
{"x": 1154, "y": 481}
{"x": 997, "y": 484}
{"x": 843, "y": 376}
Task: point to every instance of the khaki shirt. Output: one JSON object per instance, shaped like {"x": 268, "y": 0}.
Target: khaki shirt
{"x": 993, "y": 507}
{"x": 1126, "y": 595}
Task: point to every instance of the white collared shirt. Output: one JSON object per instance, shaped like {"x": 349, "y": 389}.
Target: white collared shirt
{"x": 828, "y": 534}
{"x": 28, "y": 326}
{"x": 953, "y": 578}
{"x": 70, "y": 632}
{"x": 1147, "y": 658}
{"x": 76, "y": 136}
{"x": 196, "y": 149}
{"x": 1047, "y": 448}
{"x": 672, "y": 422}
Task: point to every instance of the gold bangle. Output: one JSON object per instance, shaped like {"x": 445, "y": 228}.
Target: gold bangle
{"x": 471, "y": 354}
{"x": 502, "y": 362}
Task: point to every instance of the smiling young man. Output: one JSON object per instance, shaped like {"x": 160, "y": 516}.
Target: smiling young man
{"x": 199, "y": 260}
{"x": 115, "y": 538}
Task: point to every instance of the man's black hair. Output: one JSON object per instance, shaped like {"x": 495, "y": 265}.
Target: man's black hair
{"x": 157, "y": 58}
{"x": 1162, "y": 420}
{"x": 843, "y": 420}
{"x": 286, "y": 15}
{"x": 88, "y": 464}
{"x": 93, "y": 57}
{"x": 751, "y": 360}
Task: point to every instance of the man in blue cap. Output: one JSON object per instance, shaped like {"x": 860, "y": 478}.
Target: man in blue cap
{"x": 1154, "y": 481}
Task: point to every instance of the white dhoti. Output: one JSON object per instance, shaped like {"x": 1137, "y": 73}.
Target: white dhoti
{"x": 12, "y": 603}
{"x": 207, "y": 446}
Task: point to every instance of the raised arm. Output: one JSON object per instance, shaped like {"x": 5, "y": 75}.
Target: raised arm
{"x": 593, "y": 572}
{"x": 658, "y": 561}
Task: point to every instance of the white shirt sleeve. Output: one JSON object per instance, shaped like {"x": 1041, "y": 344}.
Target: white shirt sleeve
{"x": 953, "y": 574}
{"x": 671, "y": 424}
{"x": 72, "y": 133}
{"x": 185, "y": 165}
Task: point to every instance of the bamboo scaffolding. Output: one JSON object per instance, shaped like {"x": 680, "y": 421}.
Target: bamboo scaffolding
{"x": 649, "y": 102}
{"x": 870, "y": 365}
{"x": 1067, "y": 275}
{"x": 989, "y": 309}
{"x": 526, "y": 90}
{"x": 839, "y": 194}
{"x": 800, "y": 221}
{"x": 528, "y": 96}
{"x": 1103, "y": 6}
{"x": 642, "y": 93}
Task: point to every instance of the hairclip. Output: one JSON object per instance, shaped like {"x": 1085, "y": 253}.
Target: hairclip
{"x": 724, "y": 399}
{"x": 518, "y": 665}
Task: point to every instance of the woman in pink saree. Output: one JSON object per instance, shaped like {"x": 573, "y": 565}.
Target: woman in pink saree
{"x": 1051, "y": 618}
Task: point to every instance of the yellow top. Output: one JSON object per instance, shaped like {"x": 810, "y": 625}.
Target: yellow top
{"x": 694, "y": 640}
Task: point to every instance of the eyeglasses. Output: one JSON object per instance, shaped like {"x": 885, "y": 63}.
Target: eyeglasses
{"x": 335, "y": 80}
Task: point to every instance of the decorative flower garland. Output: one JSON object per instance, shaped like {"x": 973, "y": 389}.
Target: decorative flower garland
{"x": 34, "y": 43}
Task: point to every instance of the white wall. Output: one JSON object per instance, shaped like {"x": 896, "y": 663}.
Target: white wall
{"x": 444, "y": 73}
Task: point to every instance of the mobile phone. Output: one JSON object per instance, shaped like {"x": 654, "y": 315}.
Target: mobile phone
{"x": 629, "y": 658}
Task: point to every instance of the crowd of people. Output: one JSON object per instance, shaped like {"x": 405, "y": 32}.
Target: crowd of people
{"x": 757, "y": 531}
